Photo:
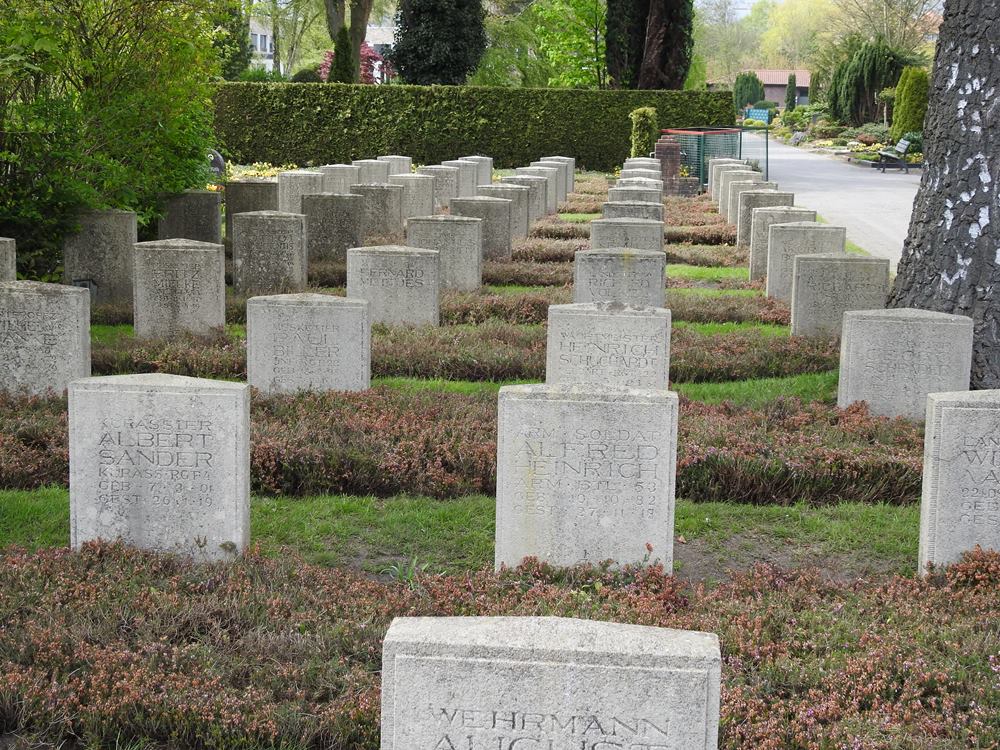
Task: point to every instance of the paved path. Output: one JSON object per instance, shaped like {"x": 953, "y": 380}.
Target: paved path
{"x": 874, "y": 207}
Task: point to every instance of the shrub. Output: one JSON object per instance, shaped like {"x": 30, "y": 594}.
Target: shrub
{"x": 747, "y": 88}
{"x": 791, "y": 94}
{"x": 438, "y": 41}
{"x": 729, "y": 256}
{"x": 911, "y": 104}
{"x": 645, "y": 131}
{"x": 306, "y": 75}
{"x": 283, "y": 124}
{"x": 916, "y": 140}
{"x": 855, "y": 82}
{"x": 527, "y": 274}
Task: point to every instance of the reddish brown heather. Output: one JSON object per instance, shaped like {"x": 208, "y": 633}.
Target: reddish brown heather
{"x": 111, "y": 645}
{"x": 729, "y": 256}
{"x": 711, "y": 234}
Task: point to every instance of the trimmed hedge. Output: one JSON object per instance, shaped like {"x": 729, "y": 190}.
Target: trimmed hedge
{"x": 305, "y": 124}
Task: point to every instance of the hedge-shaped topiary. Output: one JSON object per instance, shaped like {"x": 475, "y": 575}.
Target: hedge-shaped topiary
{"x": 330, "y": 123}
{"x": 911, "y": 103}
{"x": 644, "y": 131}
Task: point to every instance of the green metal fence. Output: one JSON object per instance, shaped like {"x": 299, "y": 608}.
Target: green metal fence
{"x": 698, "y": 145}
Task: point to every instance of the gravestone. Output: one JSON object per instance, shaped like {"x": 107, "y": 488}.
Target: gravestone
{"x": 632, "y": 277}
{"x": 737, "y": 188}
{"x": 551, "y": 174}
{"x": 710, "y": 169}
{"x": 562, "y": 181}
{"x": 372, "y": 171}
{"x": 98, "y": 257}
{"x": 192, "y": 215}
{"x": 566, "y": 181}
{"x": 179, "y": 287}
{"x": 570, "y": 162}
{"x": 518, "y": 197}
{"x": 334, "y": 222}
{"x": 397, "y": 164}
{"x": 643, "y": 183}
{"x": 401, "y": 284}
{"x": 338, "y": 178}
{"x": 760, "y": 231}
{"x": 632, "y": 210}
{"x": 893, "y": 358}
{"x": 727, "y": 178}
{"x": 496, "y": 216}
{"x": 960, "y": 502}
{"x": 468, "y": 176}
{"x": 715, "y": 177}
{"x": 459, "y": 242}
{"x": 630, "y": 194}
{"x": 445, "y": 184}
{"x": 308, "y": 342}
{"x": 649, "y": 174}
{"x": 785, "y": 241}
{"x": 827, "y": 285}
{"x": 751, "y": 200}
{"x": 640, "y": 234}
{"x": 547, "y": 683}
{"x": 484, "y": 169}
{"x": 251, "y": 194}
{"x": 608, "y": 344}
{"x": 584, "y": 474}
{"x": 44, "y": 336}
{"x": 418, "y": 193}
{"x": 537, "y": 194}
{"x": 383, "y": 210}
{"x": 8, "y": 259}
{"x": 269, "y": 252}
{"x": 293, "y": 185}
{"x": 642, "y": 162}
{"x": 160, "y": 462}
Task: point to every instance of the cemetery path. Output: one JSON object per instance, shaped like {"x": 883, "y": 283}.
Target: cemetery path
{"x": 874, "y": 207}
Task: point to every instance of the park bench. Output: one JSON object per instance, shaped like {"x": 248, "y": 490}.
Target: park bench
{"x": 895, "y": 157}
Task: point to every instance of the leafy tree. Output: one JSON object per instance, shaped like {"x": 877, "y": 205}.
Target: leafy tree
{"x": 791, "y": 94}
{"x": 514, "y": 55}
{"x": 911, "y": 106}
{"x": 572, "y": 36}
{"x": 747, "y": 90}
{"x": 903, "y": 24}
{"x": 794, "y": 32}
{"x": 626, "y": 41}
{"x": 438, "y": 41}
{"x": 232, "y": 41}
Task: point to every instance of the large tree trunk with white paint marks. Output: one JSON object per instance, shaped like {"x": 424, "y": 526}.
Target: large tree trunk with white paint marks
{"x": 951, "y": 258}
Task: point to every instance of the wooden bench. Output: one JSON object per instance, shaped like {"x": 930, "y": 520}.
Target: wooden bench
{"x": 896, "y": 157}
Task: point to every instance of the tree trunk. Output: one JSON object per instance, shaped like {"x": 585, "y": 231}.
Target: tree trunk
{"x": 951, "y": 257}
{"x": 335, "y": 15}
{"x": 361, "y": 10}
{"x": 667, "y": 54}
{"x": 275, "y": 35}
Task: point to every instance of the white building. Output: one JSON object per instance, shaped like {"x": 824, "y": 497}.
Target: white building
{"x": 262, "y": 43}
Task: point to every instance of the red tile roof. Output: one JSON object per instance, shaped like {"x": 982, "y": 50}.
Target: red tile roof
{"x": 780, "y": 77}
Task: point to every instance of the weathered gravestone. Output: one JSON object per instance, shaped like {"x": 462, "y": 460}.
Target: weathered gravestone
{"x": 827, "y": 285}
{"x": 161, "y": 462}
{"x": 372, "y": 171}
{"x": 641, "y": 183}
{"x": 98, "y": 257}
{"x": 960, "y": 503}
{"x": 334, "y": 222}
{"x": 632, "y": 277}
{"x": 8, "y": 259}
{"x": 893, "y": 358}
{"x": 786, "y": 241}
{"x": 631, "y": 193}
{"x": 562, "y": 179}
{"x": 308, "y": 342}
{"x": 608, "y": 344}
{"x": 459, "y": 242}
{"x": 402, "y": 284}
{"x": 649, "y": 174}
{"x": 726, "y": 178}
{"x": 537, "y": 193}
{"x": 383, "y": 210}
{"x": 397, "y": 164}
{"x": 760, "y": 232}
{"x": 518, "y": 197}
{"x": 547, "y": 683}
{"x": 192, "y": 215}
{"x": 293, "y": 185}
{"x": 44, "y": 336}
{"x": 445, "y": 183}
{"x": 418, "y": 193}
{"x": 713, "y": 170}
{"x": 496, "y": 216}
{"x": 179, "y": 287}
{"x": 585, "y": 474}
{"x": 641, "y": 234}
{"x": 269, "y": 252}
{"x": 551, "y": 174}
{"x": 751, "y": 200}
{"x": 484, "y": 168}
{"x": 739, "y": 187}
{"x": 632, "y": 210}
{"x": 570, "y": 162}
{"x": 468, "y": 176}
{"x": 251, "y": 194}
{"x": 338, "y": 178}
{"x": 642, "y": 162}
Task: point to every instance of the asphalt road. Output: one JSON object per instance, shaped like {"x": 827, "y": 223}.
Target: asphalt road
{"x": 874, "y": 207}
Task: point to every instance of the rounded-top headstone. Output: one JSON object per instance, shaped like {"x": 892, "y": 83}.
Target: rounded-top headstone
{"x": 537, "y": 193}
{"x": 383, "y": 210}
{"x": 785, "y": 241}
{"x": 418, "y": 193}
{"x": 519, "y": 196}
{"x": 445, "y": 183}
{"x": 484, "y": 175}
{"x": 334, "y": 222}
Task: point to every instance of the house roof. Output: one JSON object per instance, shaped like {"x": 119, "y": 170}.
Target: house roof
{"x": 780, "y": 77}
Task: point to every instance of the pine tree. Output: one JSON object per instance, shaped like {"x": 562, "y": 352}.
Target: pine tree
{"x": 438, "y": 41}
{"x": 791, "y": 94}
{"x": 911, "y": 103}
{"x": 747, "y": 89}
{"x": 344, "y": 70}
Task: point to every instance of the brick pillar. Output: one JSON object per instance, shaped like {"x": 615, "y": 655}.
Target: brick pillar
{"x": 668, "y": 151}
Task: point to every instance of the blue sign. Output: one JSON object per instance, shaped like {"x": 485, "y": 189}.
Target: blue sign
{"x": 764, "y": 115}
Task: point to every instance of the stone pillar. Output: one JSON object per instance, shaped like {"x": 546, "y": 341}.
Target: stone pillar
{"x": 737, "y": 188}
{"x": 398, "y": 164}
{"x": 192, "y": 215}
{"x": 189, "y": 496}
{"x": 45, "y": 336}
{"x": 537, "y": 194}
{"x": 518, "y": 196}
{"x": 308, "y": 342}
{"x": 459, "y": 242}
{"x": 484, "y": 173}
{"x": 468, "y": 176}
{"x": 785, "y": 241}
{"x": 575, "y": 676}
{"x": 179, "y": 287}
{"x": 293, "y": 185}
{"x": 372, "y": 171}
{"x": 562, "y": 183}
{"x": 98, "y": 257}
{"x": 8, "y": 259}
{"x": 383, "y": 210}
{"x": 632, "y": 277}
{"x": 668, "y": 153}
{"x": 577, "y": 350}
{"x": 244, "y": 196}
{"x": 418, "y": 193}
{"x": 632, "y": 210}
{"x": 729, "y": 176}
{"x": 893, "y": 358}
{"x": 269, "y": 252}
{"x": 827, "y": 285}
{"x": 551, "y": 190}
{"x": 538, "y": 435}
{"x": 959, "y": 506}
{"x": 338, "y": 178}
{"x": 401, "y": 284}
{"x": 635, "y": 194}
{"x": 496, "y": 216}
{"x": 639, "y": 234}
{"x": 752, "y": 199}
{"x": 760, "y": 230}
{"x": 334, "y": 223}
{"x": 445, "y": 184}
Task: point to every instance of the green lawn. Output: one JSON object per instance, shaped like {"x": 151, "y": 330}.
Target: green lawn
{"x": 755, "y": 393}
{"x": 579, "y": 218}
{"x": 708, "y": 274}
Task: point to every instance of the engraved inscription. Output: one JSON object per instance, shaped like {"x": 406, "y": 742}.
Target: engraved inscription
{"x": 629, "y": 359}
{"x": 979, "y": 485}
{"x": 386, "y": 277}
{"x": 887, "y": 364}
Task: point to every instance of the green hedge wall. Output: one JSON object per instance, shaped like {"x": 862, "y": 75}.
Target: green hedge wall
{"x": 326, "y": 123}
